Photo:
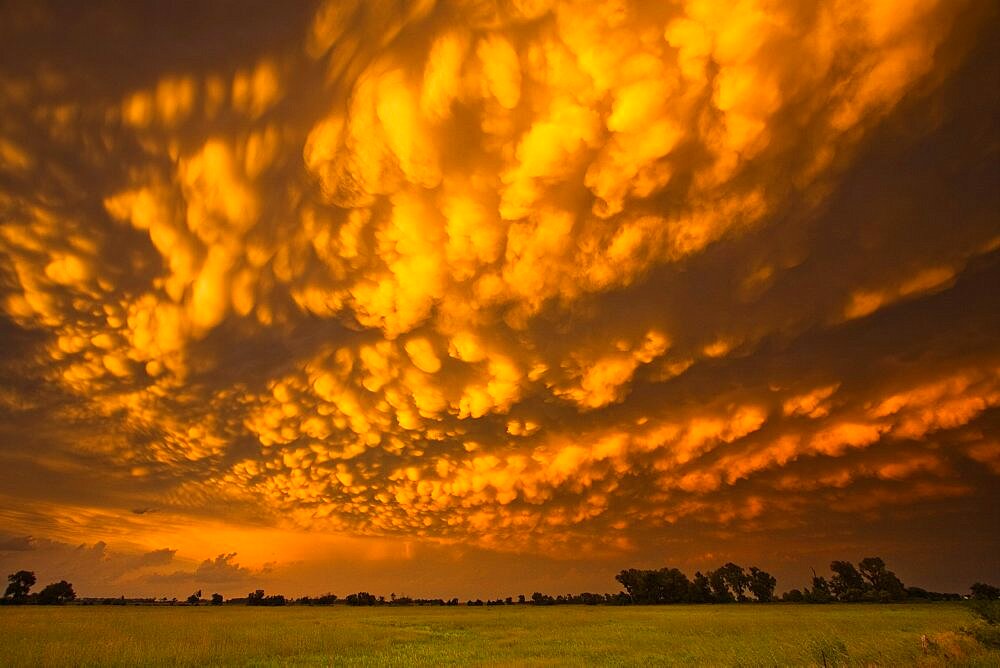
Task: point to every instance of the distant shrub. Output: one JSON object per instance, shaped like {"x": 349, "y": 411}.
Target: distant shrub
{"x": 258, "y": 598}
{"x": 793, "y": 596}
{"x": 361, "y": 598}
{"x": 985, "y": 592}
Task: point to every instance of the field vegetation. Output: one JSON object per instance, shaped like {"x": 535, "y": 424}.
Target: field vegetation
{"x": 931, "y": 634}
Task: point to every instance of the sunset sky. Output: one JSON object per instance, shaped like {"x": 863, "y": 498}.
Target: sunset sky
{"x": 478, "y": 298}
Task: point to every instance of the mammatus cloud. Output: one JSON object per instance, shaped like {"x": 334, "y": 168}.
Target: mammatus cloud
{"x": 545, "y": 277}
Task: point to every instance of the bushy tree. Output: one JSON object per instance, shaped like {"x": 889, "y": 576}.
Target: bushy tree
{"x": 846, "y": 583}
{"x": 216, "y": 599}
{"x": 57, "y": 593}
{"x": 720, "y": 588}
{"x": 665, "y": 585}
{"x": 676, "y": 588}
{"x": 882, "y": 583}
{"x": 820, "y": 592}
{"x": 538, "y": 598}
{"x": 19, "y": 584}
{"x": 735, "y": 579}
{"x": 361, "y": 598}
{"x": 700, "y": 590}
{"x": 983, "y": 592}
{"x": 761, "y": 585}
{"x": 793, "y": 596}
{"x": 631, "y": 581}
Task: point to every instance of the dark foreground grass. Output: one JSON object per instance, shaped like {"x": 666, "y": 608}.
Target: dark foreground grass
{"x": 748, "y": 635}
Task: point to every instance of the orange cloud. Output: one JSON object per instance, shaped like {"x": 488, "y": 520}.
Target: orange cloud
{"x": 503, "y": 275}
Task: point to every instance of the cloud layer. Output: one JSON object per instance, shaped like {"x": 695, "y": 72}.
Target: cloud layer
{"x": 552, "y": 278}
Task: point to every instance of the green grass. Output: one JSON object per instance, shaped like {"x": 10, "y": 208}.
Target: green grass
{"x": 748, "y": 635}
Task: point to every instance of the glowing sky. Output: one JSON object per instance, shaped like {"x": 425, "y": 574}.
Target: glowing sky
{"x": 479, "y": 297}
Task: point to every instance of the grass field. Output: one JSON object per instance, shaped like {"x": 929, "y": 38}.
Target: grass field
{"x": 748, "y": 635}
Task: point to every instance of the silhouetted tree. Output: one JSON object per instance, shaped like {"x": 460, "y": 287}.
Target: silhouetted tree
{"x": 761, "y": 584}
{"x": 194, "y": 598}
{"x": 720, "y": 589}
{"x": 629, "y": 579}
{"x": 735, "y": 579}
{"x": 883, "y": 583}
{"x": 846, "y": 583}
{"x": 56, "y": 593}
{"x": 666, "y": 585}
{"x": 429, "y": 601}
{"x": 700, "y": 589}
{"x": 793, "y": 596}
{"x": 20, "y": 584}
{"x": 216, "y": 599}
{"x": 674, "y": 586}
{"x": 872, "y": 569}
{"x": 258, "y": 598}
{"x": 820, "y": 592}
{"x": 621, "y": 598}
{"x": 983, "y": 592}
{"x": 361, "y": 598}
{"x": 538, "y": 598}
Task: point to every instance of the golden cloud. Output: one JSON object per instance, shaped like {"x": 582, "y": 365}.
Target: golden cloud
{"x": 491, "y": 272}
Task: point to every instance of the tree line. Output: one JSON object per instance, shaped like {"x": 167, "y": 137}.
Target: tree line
{"x": 870, "y": 581}
{"x": 19, "y": 586}
{"x": 727, "y": 584}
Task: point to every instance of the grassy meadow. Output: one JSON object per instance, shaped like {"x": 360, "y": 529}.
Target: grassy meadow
{"x": 744, "y": 635}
